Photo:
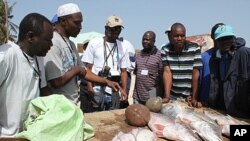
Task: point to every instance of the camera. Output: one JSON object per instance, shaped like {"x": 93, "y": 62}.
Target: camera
{"x": 105, "y": 72}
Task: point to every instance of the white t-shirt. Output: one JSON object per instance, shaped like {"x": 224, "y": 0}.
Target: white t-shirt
{"x": 61, "y": 58}
{"x": 131, "y": 55}
{"x": 115, "y": 52}
{"x": 95, "y": 52}
{"x": 19, "y": 84}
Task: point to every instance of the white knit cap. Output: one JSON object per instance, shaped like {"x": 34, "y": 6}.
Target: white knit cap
{"x": 67, "y": 9}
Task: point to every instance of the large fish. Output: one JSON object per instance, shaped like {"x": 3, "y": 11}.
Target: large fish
{"x": 137, "y": 134}
{"x": 224, "y": 121}
{"x": 203, "y": 125}
{"x": 165, "y": 127}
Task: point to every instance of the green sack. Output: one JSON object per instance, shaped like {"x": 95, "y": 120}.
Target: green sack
{"x": 55, "y": 118}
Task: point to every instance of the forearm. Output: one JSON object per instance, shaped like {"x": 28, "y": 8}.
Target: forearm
{"x": 195, "y": 84}
{"x": 91, "y": 77}
{"x": 124, "y": 77}
{"x": 45, "y": 91}
{"x": 61, "y": 81}
{"x": 167, "y": 81}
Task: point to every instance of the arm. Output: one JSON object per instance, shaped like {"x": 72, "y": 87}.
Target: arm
{"x": 195, "y": 83}
{"x": 45, "y": 91}
{"x": 89, "y": 84}
{"x": 167, "y": 82}
{"x": 62, "y": 80}
{"x": 90, "y": 76}
{"x": 192, "y": 100}
{"x": 124, "y": 82}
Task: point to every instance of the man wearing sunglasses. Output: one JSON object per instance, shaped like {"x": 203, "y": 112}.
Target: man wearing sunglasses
{"x": 108, "y": 56}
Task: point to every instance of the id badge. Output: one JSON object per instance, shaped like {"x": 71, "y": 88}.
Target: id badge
{"x": 144, "y": 72}
{"x": 115, "y": 73}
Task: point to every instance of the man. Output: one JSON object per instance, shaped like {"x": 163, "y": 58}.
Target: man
{"x": 181, "y": 64}
{"x": 226, "y": 73}
{"x": 148, "y": 70}
{"x": 107, "y": 57}
{"x": 22, "y": 76}
{"x": 62, "y": 63}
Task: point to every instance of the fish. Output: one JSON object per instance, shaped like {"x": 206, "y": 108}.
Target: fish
{"x": 207, "y": 128}
{"x": 224, "y": 121}
{"x": 137, "y": 134}
{"x": 165, "y": 127}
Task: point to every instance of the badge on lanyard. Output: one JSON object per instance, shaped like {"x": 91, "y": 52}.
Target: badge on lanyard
{"x": 144, "y": 72}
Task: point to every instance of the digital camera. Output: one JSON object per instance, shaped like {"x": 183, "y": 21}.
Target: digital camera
{"x": 105, "y": 72}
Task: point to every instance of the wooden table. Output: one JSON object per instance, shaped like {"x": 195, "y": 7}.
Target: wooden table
{"x": 108, "y": 123}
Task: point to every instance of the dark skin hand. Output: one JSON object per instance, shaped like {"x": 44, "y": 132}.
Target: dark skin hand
{"x": 165, "y": 100}
{"x": 114, "y": 85}
{"x": 193, "y": 102}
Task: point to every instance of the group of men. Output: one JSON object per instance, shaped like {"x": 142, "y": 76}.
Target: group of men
{"x": 217, "y": 78}
{"x": 44, "y": 61}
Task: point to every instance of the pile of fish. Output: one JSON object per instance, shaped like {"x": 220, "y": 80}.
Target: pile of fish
{"x": 138, "y": 134}
{"x": 224, "y": 121}
{"x": 177, "y": 121}
{"x": 165, "y": 127}
{"x": 205, "y": 127}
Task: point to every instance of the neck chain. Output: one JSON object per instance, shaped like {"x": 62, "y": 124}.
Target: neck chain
{"x": 69, "y": 46}
{"x": 36, "y": 71}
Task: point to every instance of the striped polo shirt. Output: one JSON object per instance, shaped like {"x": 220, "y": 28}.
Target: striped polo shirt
{"x": 181, "y": 66}
{"x": 147, "y": 81}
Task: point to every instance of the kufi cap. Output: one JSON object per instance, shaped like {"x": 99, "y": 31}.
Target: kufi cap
{"x": 67, "y": 9}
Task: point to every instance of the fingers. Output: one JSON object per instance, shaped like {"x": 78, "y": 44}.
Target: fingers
{"x": 116, "y": 86}
{"x": 165, "y": 100}
{"x": 194, "y": 103}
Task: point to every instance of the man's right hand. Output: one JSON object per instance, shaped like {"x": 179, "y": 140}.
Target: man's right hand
{"x": 165, "y": 100}
{"x": 116, "y": 87}
{"x": 91, "y": 94}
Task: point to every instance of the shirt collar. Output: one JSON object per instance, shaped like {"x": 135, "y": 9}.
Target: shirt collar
{"x": 219, "y": 55}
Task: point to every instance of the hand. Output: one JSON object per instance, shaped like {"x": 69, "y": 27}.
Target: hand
{"x": 124, "y": 95}
{"x": 91, "y": 90}
{"x": 83, "y": 71}
{"x": 192, "y": 102}
{"x": 91, "y": 94}
{"x": 165, "y": 100}
{"x": 79, "y": 71}
{"x": 114, "y": 85}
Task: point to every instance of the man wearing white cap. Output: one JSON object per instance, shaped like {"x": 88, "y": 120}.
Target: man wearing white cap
{"x": 62, "y": 63}
{"x": 108, "y": 57}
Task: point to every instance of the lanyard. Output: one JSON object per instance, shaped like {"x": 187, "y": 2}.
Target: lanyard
{"x": 70, "y": 48}
{"x": 111, "y": 52}
{"x": 37, "y": 71}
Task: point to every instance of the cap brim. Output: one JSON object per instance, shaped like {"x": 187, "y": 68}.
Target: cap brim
{"x": 224, "y": 35}
{"x": 167, "y": 31}
{"x": 115, "y": 26}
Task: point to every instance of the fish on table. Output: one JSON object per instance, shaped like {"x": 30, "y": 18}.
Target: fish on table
{"x": 207, "y": 128}
{"x": 165, "y": 127}
{"x": 224, "y": 121}
{"x": 137, "y": 134}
